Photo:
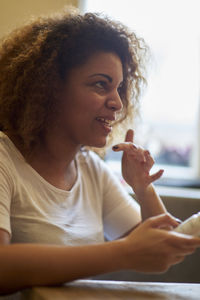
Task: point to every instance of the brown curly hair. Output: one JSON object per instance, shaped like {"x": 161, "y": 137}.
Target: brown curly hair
{"x": 35, "y": 56}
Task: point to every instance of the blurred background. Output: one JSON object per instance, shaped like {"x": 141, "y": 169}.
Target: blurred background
{"x": 169, "y": 124}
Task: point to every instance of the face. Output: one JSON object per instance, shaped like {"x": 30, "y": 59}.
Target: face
{"x": 90, "y": 100}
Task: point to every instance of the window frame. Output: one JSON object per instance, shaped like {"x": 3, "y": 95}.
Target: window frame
{"x": 190, "y": 175}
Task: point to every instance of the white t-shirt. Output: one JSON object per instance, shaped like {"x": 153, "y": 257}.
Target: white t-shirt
{"x": 34, "y": 211}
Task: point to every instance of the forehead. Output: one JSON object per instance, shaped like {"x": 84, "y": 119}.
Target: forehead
{"x": 102, "y": 62}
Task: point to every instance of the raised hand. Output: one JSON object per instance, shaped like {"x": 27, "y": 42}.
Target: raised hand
{"x": 136, "y": 164}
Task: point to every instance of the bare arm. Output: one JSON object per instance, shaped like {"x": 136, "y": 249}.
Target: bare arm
{"x": 27, "y": 265}
{"x": 150, "y": 203}
{"x": 146, "y": 249}
{"x": 136, "y": 165}
{"x": 4, "y": 237}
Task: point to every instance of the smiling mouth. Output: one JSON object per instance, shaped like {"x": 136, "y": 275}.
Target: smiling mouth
{"x": 106, "y": 124}
{"x": 104, "y": 121}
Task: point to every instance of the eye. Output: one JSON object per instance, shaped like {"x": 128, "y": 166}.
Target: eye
{"x": 101, "y": 84}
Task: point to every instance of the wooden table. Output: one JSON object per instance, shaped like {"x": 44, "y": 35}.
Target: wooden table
{"x": 93, "y": 289}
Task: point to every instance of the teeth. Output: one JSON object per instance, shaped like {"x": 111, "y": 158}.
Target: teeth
{"x": 103, "y": 120}
{"x": 100, "y": 119}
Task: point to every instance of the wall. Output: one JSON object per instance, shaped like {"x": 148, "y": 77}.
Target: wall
{"x": 14, "y": 12}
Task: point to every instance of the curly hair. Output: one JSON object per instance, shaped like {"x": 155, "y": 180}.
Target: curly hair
{"x": 35, "y": 56}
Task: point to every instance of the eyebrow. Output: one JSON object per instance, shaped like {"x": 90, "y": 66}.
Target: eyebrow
{"x": 101, "y": 74}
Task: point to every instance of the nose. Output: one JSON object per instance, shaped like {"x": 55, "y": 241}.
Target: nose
{"x": 114, "y": 101}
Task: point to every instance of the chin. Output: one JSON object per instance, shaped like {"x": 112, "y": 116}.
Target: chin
{"x": 98, "y": 144}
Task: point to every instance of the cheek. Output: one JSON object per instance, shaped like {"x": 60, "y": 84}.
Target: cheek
{"x": 82, "y": 105}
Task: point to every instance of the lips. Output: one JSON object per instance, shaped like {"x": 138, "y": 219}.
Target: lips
{"x": 105, "y": 121}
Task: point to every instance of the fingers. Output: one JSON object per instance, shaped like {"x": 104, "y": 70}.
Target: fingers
{"x": 156, "y": 175}
{"x": 129, "y": 136}
{"x": 185, "y": 252}
{"x": 189, "y": 241}
{"x": 177, "y": 259}
{"x": 138, "y": 157}
{"x": 149, "y": 159}
{"x": 181, "y": 254}
{"x": 186, "y": 243}
{"x": 161, "y": 221}
{"x": 188, "y": 251}
{"x": 130, "y": 149}
{"x": 126, "y": 146}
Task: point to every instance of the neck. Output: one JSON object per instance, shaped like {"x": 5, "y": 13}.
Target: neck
{"x": 54, "y": 160}
{"x": 56, "y": 152}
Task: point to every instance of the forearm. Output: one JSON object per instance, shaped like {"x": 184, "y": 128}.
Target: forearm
{"x": 150, "y": 203}
{"x": 24, "y": 265}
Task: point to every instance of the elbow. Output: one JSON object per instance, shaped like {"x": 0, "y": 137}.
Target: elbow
{"x": 6, "y": 286}
{"x": 6, "y": 289}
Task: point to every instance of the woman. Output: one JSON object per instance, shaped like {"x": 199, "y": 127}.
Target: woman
{"x": 69, "y": 83}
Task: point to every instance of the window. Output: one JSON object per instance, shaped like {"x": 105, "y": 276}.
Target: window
{"x": 170, "y": 107}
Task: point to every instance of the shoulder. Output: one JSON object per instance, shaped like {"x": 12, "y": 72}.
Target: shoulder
{"x": 4, "y": 149}
{"x": 8, "y": 154}
{"x": 6, "y": 164}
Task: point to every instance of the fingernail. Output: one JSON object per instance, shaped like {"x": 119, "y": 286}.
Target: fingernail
{"x": 115, "y": 147}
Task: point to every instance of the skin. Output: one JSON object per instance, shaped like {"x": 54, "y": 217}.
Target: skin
{"x": 136, "y": 166}
{"x": 148, "y": 248}
{"x": 90, "y": 91}
{"x": 83, "y": 97}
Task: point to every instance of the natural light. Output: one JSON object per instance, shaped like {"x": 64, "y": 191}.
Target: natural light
{"x": 170, "y": 106}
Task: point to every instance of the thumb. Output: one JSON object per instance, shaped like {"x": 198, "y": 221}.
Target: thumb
{"x": 162, "y": 220}
{"x": 129, "y": 136}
